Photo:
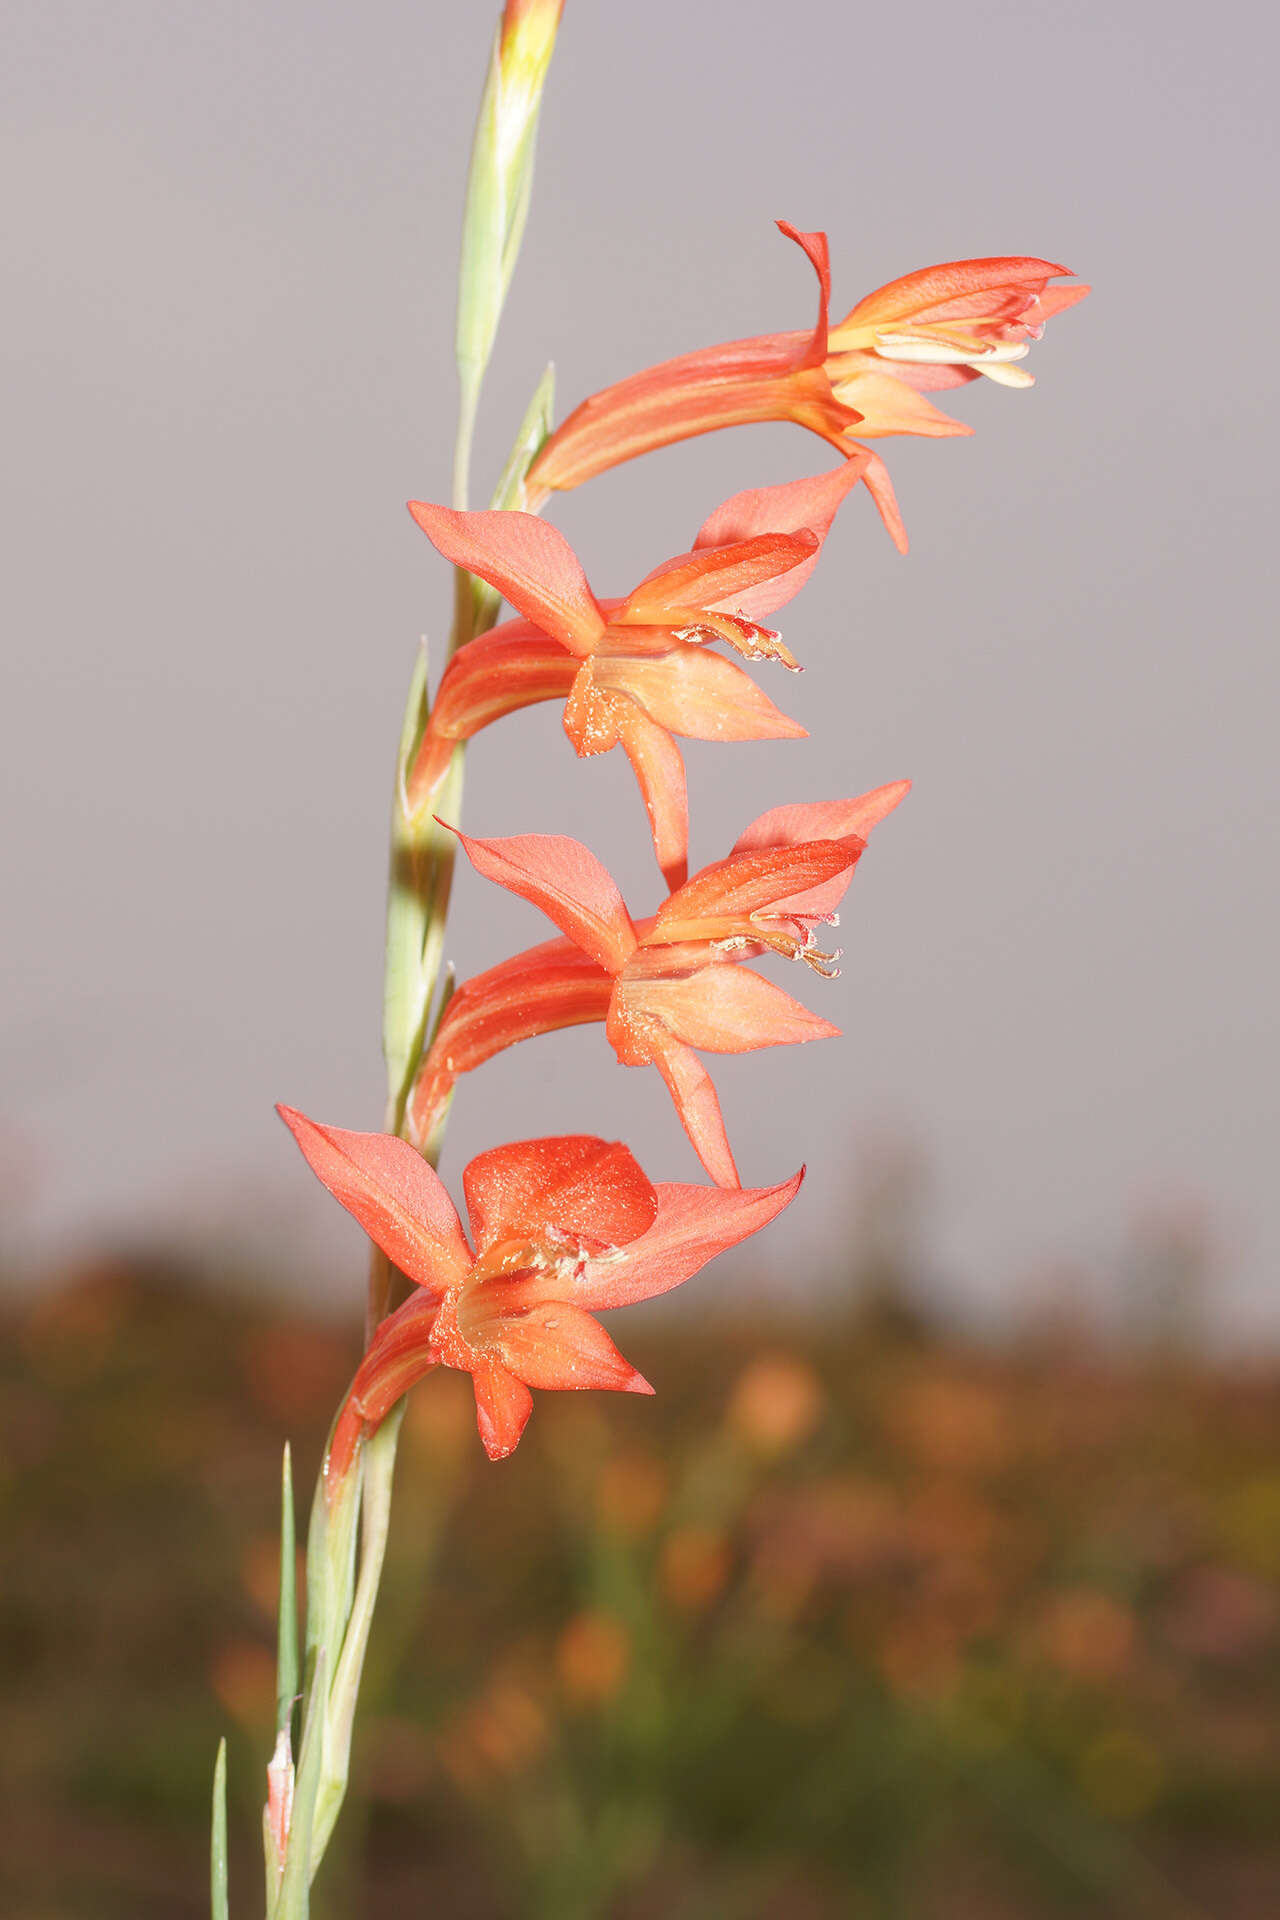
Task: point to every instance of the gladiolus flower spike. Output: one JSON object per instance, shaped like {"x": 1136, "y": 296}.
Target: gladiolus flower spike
{"x": 668, "y": 985}
{"x": 562, "y": 1228}
{"x": 867, "y": 377}
{"x": 632, "y": 672}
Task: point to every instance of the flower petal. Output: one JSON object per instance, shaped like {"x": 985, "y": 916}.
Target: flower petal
{"x": 723, "y": 1009}
{"x": 659, "y": 769}
{"x": 1057, "y": 299}
{"x": 805, "y": 820}
{"x": 718, "y": 575}
{"x": 503, "y": 1406}
{"x": 751, "y": 882}
{"x": 814, "y": 246}
{"x": 692, "y": 691}
{"x": 598, "y": 717}
{"x": 397, "y": 1198}
{"x": 776, "y": 376}
{"x": 929, "y": 292}
{"x": 529, "y": 562}
{"x": 696, "y": 1101}
{"x": 400, "y": 1354}
{"x": 539, "y": 991}
{"x": 694, "y": 1224}
{"x": 515, "y": 666}
{"x": 799, "y": 503}
{"x": 889, "y": 405}
{"x": 834, "y": 819}
{"x": 559, "y": 1346}
{"x": 591, "y": 1189}
{"x": 566, "y": 880}
{"x": 878, "y": 484}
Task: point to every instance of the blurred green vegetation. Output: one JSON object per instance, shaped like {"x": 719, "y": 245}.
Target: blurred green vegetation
{"x": 854, "y": 1619}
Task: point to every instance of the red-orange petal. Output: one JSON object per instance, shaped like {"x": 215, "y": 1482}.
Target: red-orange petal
{"x": 834, "y": 819}
{"x": 890, "y": 405}
{"x": 560, "y": 1346}
{"x": 576, "y": 1184}
{"x": 566, "y": 880}
{"x": 929, "y": 291}
{"x": 697, "y": 693}
{"x": 751, "y": 882}
{"x": 696, "y": 1101}
{"x": 538, "y": 991}
{"x": 875, "y": 476}
{"x": 399, "y": 1355}
{"x": 775, "y": 376}
{"x": 529, "y": 562}
{"x": 811, "y": 504}
{"x": 659, "y": 769}
{"x": 715, "y": 576}
{"x": 725, "y": 1009}
{"x": 1057, "y": 299}
{"x": 503, "y": 1406}
{"x": 694, "y": 1224}
{"x": 790, "y": 826}
{"x": 814, "y": 247}
{"x": 397, "y": 1198}
{"x": 496, "y": 674}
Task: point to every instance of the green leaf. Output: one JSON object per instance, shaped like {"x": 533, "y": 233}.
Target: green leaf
{"x": 218, "y": 1906}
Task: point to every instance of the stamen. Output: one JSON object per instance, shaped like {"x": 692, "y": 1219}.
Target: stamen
{"x": 747, "y": 637}
{"x": 937, "y": 350}
{"x": 822, "y": 963}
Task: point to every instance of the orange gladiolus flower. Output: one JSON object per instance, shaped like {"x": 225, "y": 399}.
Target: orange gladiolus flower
{"x": 866, "y": 377}
{"x": 670, "y": 984}
{"x": 562, "y": 1227}
{"x": 632, "y": 672}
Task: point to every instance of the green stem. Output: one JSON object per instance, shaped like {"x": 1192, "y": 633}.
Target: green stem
{"x": 468, "y": 406}
{"x": 287, "y": 1636}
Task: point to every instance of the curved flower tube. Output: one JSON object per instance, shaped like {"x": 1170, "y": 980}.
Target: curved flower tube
{"x": 668, "y": 985}
{"x": 634, "y": 672}
{"x": 562, "y": 1227}
{"x": 869, "y": 376}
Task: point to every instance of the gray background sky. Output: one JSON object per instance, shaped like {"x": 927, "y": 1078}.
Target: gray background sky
{"x": 231, "y": 236}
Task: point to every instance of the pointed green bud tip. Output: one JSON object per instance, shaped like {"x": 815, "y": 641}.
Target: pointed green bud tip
{"x": 501, "y": 175}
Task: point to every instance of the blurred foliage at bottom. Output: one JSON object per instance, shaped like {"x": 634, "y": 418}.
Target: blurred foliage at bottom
{"x": 854, "y": 1620}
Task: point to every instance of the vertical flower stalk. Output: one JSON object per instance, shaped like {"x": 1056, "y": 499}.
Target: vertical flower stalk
{"x": 351, "y": 1512}
{"x": 499, "y": 186}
